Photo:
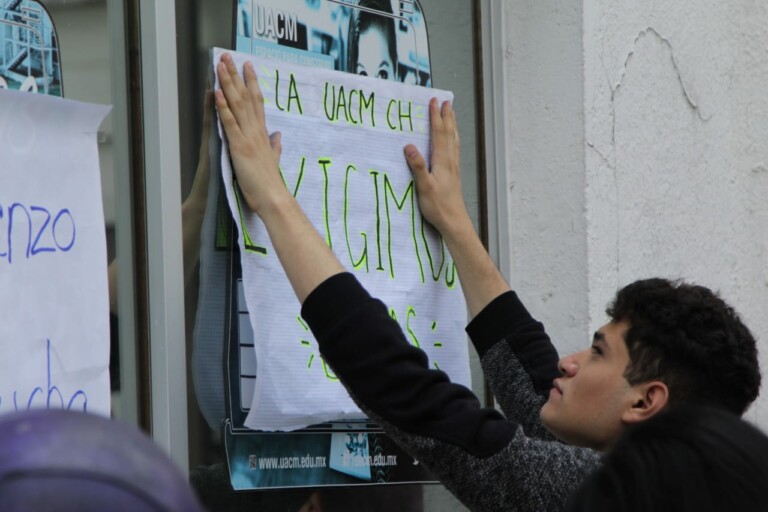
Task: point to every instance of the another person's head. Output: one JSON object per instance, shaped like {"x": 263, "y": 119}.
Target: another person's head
{"x": 65, "y": 461}
{"x": 668, "y": 343}
{"x": 372, "y": 42}
{"x": 686, "y": 460}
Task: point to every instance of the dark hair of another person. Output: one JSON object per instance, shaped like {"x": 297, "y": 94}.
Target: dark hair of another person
{"x": 687, "y": 459}
{"x": 687, "y": 337}
{"x": 362, "y": 20}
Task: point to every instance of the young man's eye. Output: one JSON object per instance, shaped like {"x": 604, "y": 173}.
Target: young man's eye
{"x": 597, "y": 350}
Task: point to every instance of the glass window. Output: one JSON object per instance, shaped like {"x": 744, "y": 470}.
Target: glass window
{"x": 88, "y": 53}
{"x": 443, "y": 56}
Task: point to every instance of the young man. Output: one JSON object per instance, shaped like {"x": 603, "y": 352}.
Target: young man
{"x": 490, "y": 461}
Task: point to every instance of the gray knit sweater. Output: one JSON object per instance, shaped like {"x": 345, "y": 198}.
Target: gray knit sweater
{"x": 489, "y": 461}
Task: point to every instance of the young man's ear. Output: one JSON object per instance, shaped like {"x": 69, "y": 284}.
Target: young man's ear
{"x": 650, "y": 398}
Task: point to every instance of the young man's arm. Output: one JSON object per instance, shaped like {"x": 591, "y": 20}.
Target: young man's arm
{"x": 518, "y": 360}
{"x": 442, "y": 204}
{"x": 503, "y": 345}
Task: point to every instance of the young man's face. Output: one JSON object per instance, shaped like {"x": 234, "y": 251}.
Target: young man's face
{"x": 586, "y": 403}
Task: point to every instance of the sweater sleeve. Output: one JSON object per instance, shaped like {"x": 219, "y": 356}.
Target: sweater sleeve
{"x": 486, "y": 460}
{"x": 518, "y": 359}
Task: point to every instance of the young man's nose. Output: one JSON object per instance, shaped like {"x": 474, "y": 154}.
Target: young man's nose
{"x": 568, "y": 365}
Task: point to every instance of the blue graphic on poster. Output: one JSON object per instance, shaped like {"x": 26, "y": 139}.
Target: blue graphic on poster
{"x": 29, "y": 50}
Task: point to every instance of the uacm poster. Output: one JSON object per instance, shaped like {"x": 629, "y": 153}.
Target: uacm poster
{"x": 346, "y": 167}
{"x": 312, "y": 33}
{"x": 342, "y": 158}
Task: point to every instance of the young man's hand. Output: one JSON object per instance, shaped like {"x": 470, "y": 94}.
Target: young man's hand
{"x": 255, "y": 154}
{"x": 303, "y": 253}
{"x": 439, "y": 188}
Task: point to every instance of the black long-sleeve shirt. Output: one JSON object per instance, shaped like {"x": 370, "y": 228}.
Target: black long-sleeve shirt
{"x": 488, "y": 460}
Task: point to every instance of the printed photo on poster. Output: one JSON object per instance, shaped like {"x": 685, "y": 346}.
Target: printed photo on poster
{"x": 29, "y": 49}
{"x": 382, "y": 38}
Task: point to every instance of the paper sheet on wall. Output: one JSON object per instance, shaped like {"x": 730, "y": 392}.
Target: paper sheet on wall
{"x": 342, "y": 138}
{"x": 54, "y": 336}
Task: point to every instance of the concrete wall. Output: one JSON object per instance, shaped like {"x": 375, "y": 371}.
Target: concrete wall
{"x": 638, "y": 145}
{"x": 545, "y": 156}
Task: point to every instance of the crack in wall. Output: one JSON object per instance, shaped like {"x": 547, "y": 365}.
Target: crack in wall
{"x": 614, "y": 88}
{"x": 668, "y": 44}
{"x": 603, "y": 156}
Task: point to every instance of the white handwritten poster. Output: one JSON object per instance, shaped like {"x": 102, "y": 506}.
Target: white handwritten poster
{"x": 343, "y": 139}
{"x": 54, "y": 336}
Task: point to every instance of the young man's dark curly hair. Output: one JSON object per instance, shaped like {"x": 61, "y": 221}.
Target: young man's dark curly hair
{"x": 686, "y": 336}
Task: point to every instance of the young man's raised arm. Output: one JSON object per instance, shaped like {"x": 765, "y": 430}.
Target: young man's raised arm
{"x": 514, "y": 349}
{"x": 441, "y": 202}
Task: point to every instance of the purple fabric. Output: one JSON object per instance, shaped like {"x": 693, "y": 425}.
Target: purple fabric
{"x": 62, "y": 461}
